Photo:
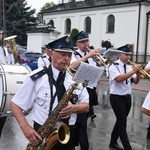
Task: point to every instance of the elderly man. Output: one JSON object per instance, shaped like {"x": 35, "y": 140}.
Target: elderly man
{"x": 45, "y": 92}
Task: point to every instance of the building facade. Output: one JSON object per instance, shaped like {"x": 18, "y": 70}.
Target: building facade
{"x": 120, "y": 21}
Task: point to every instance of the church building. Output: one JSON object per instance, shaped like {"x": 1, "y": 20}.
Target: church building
{"x": 119, "y": 21}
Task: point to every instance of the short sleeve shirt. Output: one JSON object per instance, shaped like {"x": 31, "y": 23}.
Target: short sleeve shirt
{"x": 37, "y": 94}
{"x": 119, "y": 88}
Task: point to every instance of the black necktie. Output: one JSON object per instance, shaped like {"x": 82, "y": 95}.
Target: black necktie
{"x": 61, "y": 90}
{"x": 60, "y": 85}
{"x": 125, "y": 71}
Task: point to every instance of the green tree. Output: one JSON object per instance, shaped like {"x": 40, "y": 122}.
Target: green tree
{"x": 46, "y": 6}
{"x": 73, "y": 33}
{"x": 19, "y": 19}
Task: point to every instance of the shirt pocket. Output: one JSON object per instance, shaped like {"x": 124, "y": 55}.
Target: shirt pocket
{"x": 43, "y": 97}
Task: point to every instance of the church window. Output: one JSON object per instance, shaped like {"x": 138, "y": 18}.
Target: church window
{"x": 88, "y": 25}
{"x": 110, "y": 24}
{"x": 67, "y": 26}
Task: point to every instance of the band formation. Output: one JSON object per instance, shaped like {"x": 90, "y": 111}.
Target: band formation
{"x": 59, "y": 105}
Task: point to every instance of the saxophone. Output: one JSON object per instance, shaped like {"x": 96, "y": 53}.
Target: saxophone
{"x": 48, "y": 132}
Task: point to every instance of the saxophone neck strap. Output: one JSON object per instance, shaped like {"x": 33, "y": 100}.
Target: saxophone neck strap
{"x": 51, "y": 83}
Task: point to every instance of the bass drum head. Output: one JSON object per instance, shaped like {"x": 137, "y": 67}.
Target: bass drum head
{"x": 11, "y": 79}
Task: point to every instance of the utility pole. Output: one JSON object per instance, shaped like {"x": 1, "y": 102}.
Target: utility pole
{"x": 4, "y": 20}
{"x": 1, "y": 11}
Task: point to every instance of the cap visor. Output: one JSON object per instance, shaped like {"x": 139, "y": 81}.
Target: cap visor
{"x": 63, "y": 50}
{"x": 80, "y": 40}
{"x": 127, "y": 53}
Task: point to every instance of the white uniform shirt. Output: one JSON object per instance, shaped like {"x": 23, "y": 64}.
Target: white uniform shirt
{"x": 148, "y": 65}
{"x": 2, "y": 55}
{"x": 7, "y": 58}
{"x": 76, "y": 57}
{"x": 119, "y": 88}
{"x": 146, "y": 103}
{"x": 43, "y": 61}
{"x": 37, "y": 94}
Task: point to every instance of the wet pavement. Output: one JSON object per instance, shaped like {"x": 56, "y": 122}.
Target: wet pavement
{"x": 99, "y": 130}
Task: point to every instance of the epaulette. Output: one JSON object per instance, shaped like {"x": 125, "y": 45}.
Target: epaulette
{"x": 37, "y": 74}
{"x": 77, "y": 53}
{"x": 43, "y": 56}
{"x": 115, "y": 63}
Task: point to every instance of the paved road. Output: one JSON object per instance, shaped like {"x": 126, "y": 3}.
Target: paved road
{"x": 100, "y": 129}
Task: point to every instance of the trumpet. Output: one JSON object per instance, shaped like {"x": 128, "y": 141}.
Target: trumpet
{"x": 100, "y": 60}
{"x": 142, "y": 73}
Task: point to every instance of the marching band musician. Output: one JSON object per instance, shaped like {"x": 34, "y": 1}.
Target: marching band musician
{"x": 3, "y": 60}
{"x": 43, "y": 96}
{"x": 2, "y": 50}
{"x": 121, "y": 77}
{"x": 146, "y": 104}
{"x": 45, "y": 59}
{"x": 82, "y": 54}
{"x": 9, "y": 55}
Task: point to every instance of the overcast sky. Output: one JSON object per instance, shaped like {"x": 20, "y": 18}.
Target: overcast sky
{"x": 39, "y": 3}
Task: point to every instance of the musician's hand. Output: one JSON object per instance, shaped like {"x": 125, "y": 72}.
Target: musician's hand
{"x": 66, "y": 112}
{"x": 31, "y": 135}
{"x": 94, "y": 52}
{"x": 137, "y": 67}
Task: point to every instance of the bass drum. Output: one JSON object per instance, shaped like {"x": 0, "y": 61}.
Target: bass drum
{"x": 11, "y": 79}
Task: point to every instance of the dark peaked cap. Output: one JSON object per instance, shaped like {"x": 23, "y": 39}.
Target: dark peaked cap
{"x": 82, "y": 36}
{"x": 125, "y": 49}
{"x": 63, "y": 44}
{"x": 47, "y": 47}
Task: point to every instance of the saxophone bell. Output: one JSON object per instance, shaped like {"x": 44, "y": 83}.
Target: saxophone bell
{"x": 60, "y": 133}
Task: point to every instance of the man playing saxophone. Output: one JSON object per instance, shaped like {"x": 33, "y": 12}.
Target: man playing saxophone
{"x": 44, "y": 91}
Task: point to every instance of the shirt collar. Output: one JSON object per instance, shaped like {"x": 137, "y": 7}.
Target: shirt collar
{"x": 55, "y": 72}
{"x": 80, "y": 52}
{"x": 120, "y": 62}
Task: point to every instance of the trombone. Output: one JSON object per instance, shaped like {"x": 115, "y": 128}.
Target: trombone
{"x": 142, "y": 73}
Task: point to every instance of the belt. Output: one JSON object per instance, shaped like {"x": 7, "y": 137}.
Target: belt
{"x": 126, "y": 95}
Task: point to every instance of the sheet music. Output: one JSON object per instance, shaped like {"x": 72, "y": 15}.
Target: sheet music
{"x": 112, "y": 54}
{"x": 88, "y": 73}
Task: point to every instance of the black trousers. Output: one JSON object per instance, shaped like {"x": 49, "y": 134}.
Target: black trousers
{"x": 2, "y": 122}
{"x": 93, "y": 100}
{"x": 83, "y": 137}
{"x": 121, "y": 106}
{"x": 72, "y": 141}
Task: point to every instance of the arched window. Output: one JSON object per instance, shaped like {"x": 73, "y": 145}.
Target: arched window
{"x": 67, "y": 26}
{"x": 51, "y": 22}
{"x": 87, "y": 25}
{"x": 110, "y": 24}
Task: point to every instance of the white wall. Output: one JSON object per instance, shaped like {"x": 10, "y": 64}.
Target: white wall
{"x": 38, "y": 40}
{"x": 126, "y": 24}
